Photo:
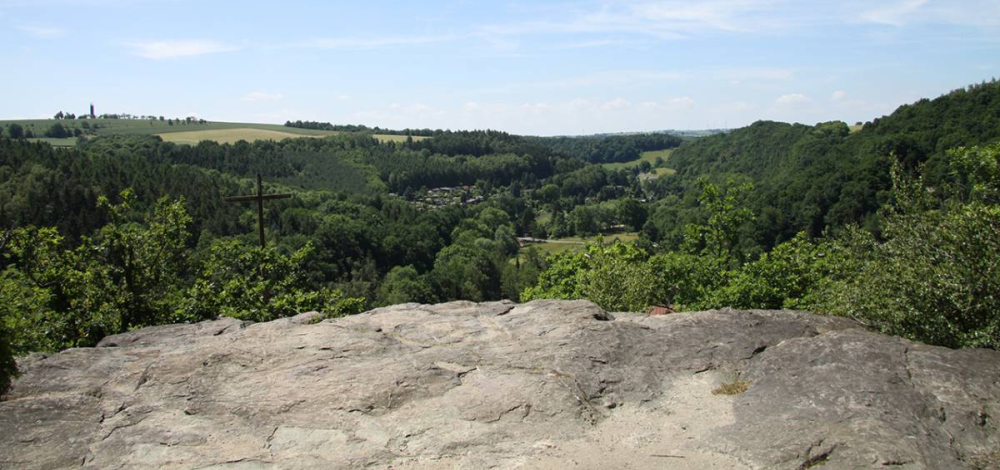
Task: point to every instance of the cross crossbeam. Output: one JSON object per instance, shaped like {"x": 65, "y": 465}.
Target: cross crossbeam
{"x": 260, "y": 197}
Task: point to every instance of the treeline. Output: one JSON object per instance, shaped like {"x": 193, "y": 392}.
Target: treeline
{"x": 609, "y": 148}
{"x": 326, "y": 126}
{"x": 931, "y": 274}
{"x": 126, "y": 231}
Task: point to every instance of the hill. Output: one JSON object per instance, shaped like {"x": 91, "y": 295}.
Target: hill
{"x": 815, "y": 178}
{"x": 544, "y": 385}
{"x": 127, "y": 231}
{"x": 179, "y": 131}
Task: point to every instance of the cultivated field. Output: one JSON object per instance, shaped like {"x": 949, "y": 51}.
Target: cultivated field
{"x": 396, "y": 138}
{"x": 229, "y": 136}
{"x": 180, "y": 132}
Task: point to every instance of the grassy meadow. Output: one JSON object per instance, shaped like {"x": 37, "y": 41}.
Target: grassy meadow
{"x": 649, "y": 156}
{"x": 180, "y": 132}
{"x": 576, "y": 244}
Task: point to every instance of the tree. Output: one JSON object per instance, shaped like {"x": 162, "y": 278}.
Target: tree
{"x": 631, "y": 213}
{"x": 403, "y": 284}
{"x": 57, "y": 131}
{"x": 8, "y": 368}
{"x": 125, "y": 276}
{"x": 15, "y": 131}
{"x": 616, "y": 277}
{"x": 259, "y": 284}
{"x": 466, "y": 272}
{"x": 727, "y": 214}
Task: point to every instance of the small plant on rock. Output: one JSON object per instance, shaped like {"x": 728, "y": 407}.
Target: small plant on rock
{"x": 734, "y": 386}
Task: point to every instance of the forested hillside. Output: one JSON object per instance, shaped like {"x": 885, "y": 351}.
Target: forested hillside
{"x": 128, "y": 231}
{"x": 814, "y": 178}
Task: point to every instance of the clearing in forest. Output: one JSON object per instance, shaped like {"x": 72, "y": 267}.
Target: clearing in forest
{"x": 649, "y": 156}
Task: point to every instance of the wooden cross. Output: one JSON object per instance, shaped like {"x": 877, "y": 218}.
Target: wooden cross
{"x": 260, "y": 197}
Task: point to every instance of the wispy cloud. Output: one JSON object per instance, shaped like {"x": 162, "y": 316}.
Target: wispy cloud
{"x": 792, "y": 99}
{"x": 262, "y": 96}
{"x": 893, "y": 13}
{"x": 178, "y": 48}
{"x": 39, "y": 31}
{"x": 595, "y": 43}
{"x": 661, "y": 19}
{"x": 373, "y": 42}
{"x": 901, "y": 13}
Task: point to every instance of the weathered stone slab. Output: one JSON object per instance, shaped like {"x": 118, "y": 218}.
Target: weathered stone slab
{"x": 548, "y": 384}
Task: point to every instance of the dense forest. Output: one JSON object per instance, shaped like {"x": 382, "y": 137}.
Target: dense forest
{"x": 896, "y": 225}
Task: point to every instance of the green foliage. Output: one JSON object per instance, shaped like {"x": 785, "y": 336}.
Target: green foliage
{"x": 467, "y": 271}
{"x": 126, "y": 276}
{"x": 820, "y": 178}
{"x": 616, "y": 277}
{"x": 935, "y": 276}
{"x": 141, "y": 262}
{"x": 8, "y": 368}
{"x": 257, "y": 284}
{"x": 727, "y": 214}
{"x": 93, "y": 269}
{"x": 784, "y": 278}
{"x": 686, "y": 279}
{"x": 403, "y": 284}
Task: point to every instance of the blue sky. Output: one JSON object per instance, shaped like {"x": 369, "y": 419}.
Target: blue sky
{"x": 567, "y": 67}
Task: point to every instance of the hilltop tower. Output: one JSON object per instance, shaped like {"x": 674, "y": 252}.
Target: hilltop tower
{"x": 92, "y": 115}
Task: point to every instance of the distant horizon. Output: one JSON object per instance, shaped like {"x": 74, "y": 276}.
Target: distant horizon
{"x": 576, "y": 67}
{"x": 650, "y": 131}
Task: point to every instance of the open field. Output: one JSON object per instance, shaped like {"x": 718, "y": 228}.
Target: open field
{"x": 67, "y": 142}
{"x": 145, "y": 127}
{"x": 575, "y": 244}
{"x": 649, "y": 156}
{"x": 182, "y": 133}
{"x": 396, "y": 138}
{"x": 229, "y": 136}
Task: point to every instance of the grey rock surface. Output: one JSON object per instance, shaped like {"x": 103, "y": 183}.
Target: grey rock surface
{"x": 548, "y": 384}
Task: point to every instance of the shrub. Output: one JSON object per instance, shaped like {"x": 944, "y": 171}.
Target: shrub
{"x": 936, "y": 275}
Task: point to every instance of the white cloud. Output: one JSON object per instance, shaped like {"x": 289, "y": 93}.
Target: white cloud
{"x": 673, "y": 104}
{"x": 373, "y": 42}
{"x": 262, "y": 96}
{"x": 661, "y": 19}
{"x": 178, "y": 48}
{"x": 895, "y": 13}
{"x": 737, "y": 76}
{"x": 791, "y": 99}
{"x": 901, "y": 13}
{"x": 684, "y": 102}
{"x": 839, "y": 95}
{"x": 615, "y": 104}
{"x": 594, "y": 43}
{"x": 38, "y": 31}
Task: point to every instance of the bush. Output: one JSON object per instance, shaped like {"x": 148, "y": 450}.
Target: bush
{"x": 259, "y": 284}
{"x": 936, "y": 275}
{"x": 8, "y": 368}
{"x": 616, "y": 277}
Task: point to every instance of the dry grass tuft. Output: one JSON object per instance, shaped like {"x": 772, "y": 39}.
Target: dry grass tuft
{"x": 732, "y": 387}
{"x": 986, "y": 460}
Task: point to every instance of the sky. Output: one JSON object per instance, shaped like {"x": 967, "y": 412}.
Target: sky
{"x": 538, "y": 67}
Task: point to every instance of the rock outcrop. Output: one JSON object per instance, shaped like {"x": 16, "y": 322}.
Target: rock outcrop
{"x": 548, "y": 384}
